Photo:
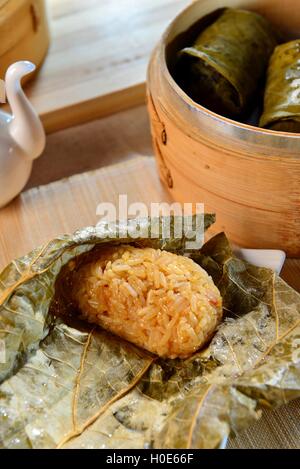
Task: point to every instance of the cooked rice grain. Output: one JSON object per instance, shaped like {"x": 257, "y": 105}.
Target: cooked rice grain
{"x": 160, "y": 301}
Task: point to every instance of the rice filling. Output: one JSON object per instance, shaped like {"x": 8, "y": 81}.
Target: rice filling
{"x": 158, "y": 300}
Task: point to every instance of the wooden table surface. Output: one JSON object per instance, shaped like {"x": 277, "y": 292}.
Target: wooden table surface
{"x": 98, "y": 57}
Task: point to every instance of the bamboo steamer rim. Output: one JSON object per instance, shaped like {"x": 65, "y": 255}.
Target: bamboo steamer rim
{"x": 196, "y": 106}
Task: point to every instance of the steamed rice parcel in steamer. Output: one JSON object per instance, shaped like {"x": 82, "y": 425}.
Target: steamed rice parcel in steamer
{"x": 282, "y": 95}
{"x": 240, "y": 67}
{"x": 224, "y": 67}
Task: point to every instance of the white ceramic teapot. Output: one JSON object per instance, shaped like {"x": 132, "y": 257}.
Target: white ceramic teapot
{"x": 22, "y": 137}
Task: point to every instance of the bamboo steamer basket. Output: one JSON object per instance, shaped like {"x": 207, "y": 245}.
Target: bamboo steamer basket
{"x": 24, "y": 32}
{"x": 248, "y": 176}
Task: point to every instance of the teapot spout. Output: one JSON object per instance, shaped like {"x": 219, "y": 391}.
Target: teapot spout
{"x": 25, "y": 127}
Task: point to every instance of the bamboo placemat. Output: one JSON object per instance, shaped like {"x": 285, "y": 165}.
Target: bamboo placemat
{"x": 66, "y": 205}
{"x": 44, "y": 212}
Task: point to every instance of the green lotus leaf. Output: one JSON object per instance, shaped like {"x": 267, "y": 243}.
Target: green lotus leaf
{"x": 225, "y": 66}
{"x": 67, "y": 384}
{"x": 282, "y": 95}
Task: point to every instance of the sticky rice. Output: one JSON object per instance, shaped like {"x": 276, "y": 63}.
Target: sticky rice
{"x": 160, "y": 301}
